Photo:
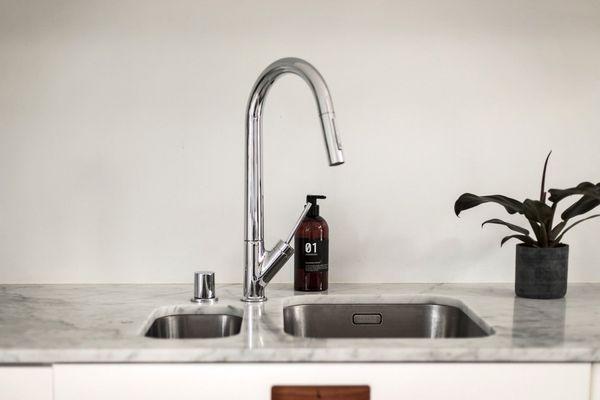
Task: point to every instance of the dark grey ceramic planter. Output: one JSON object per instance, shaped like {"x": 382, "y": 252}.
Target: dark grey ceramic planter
{"x": 541, "y": 273}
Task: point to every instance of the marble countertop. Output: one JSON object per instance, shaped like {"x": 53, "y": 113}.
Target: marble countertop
{"x": 105, "y": 323}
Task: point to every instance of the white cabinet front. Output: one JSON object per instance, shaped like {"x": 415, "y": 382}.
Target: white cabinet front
{"x": 422, "y": 381}
{"x": 26, "y": 383}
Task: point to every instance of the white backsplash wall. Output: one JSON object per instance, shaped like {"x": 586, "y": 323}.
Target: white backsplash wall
{"x": 122, "y": 133}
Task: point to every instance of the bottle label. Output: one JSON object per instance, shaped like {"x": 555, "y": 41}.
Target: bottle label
{"x": 314, "y": 254}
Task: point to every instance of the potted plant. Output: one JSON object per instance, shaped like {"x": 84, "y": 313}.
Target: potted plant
{"x": 541, "y": 260}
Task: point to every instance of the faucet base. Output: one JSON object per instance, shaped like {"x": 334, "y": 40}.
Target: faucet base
{"x": 254, "y": 299}
{"x": 254, "y": 294}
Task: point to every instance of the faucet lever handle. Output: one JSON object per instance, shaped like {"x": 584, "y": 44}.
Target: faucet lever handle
{"x": 298, "y": 222}
{"x": 276, "y": 258}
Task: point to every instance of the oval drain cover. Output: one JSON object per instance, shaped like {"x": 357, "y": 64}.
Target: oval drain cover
{"x": 367, "y": 319}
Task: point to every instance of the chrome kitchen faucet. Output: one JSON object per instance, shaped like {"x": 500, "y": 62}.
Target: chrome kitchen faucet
{"x": 260, "y": 265}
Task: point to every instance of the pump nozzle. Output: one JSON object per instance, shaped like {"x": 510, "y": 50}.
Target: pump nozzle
{"x": 312, "y": 199}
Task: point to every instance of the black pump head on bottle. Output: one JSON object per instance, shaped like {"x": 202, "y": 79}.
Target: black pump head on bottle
{"x": 314, "y": 208}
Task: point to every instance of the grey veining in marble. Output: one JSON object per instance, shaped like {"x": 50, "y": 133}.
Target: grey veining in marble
{"x": 105, "y": 323}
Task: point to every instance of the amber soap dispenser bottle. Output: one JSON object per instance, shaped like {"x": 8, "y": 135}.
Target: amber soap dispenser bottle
{"x": 311, "y": 255}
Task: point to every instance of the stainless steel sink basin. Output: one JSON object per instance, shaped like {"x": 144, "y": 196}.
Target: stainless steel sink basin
{"x": 380, "y": 321}
{"x": 194, "y": 326}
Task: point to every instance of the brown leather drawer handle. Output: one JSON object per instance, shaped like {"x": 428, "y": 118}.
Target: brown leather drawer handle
{"x": 320, "y": 393}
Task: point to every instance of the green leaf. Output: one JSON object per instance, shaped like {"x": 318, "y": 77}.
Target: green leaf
{"x": 558, "y": 239}
{"x": 525, "y": 239}
{"x": 510, "y": 226}
{"x": 584, "y": 188}
{"x": 468, "y": 200}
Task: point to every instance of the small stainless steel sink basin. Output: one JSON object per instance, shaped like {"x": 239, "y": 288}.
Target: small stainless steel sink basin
{"x": 194, "y": 326}
{"x": 380, "y": 321}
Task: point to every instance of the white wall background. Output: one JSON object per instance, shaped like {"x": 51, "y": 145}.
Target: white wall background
{"x": 122, "y": 133}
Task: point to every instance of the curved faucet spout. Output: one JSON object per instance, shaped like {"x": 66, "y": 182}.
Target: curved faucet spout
{"x": 256, "y": 255}
{"x": 319, "y": 88}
